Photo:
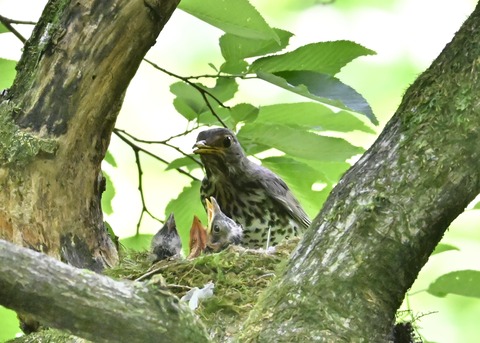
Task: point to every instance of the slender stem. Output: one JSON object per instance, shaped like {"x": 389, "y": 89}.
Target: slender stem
{"x": 7, "y": 22}
{"x": 202, "y": 91}
{"x": 136, "y": 150}
{"x": 134, "y": 146}
{"x": 164, "y": 142}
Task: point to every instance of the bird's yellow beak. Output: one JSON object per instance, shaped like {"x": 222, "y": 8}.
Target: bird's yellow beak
{"x": 210, "y": 213}
{"x": 201, "y": 147}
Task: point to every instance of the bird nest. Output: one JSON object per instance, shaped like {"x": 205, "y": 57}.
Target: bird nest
{"x": 239, "y": 275}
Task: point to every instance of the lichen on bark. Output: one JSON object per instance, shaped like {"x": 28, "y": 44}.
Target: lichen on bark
{"x": 19, "y": 147}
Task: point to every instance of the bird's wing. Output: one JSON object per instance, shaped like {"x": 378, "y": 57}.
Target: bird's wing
{"x": 277, "y": 189}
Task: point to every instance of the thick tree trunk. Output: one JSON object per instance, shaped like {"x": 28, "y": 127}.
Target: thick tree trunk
{"x": 380, "y": 224}
{"x": 92, "y": 306}
{"x": 57, "y": 119}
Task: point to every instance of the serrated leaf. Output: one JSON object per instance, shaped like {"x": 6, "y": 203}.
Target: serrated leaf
{"x": 322, "y": 88}
{"x": 312, "y": 116}
{"x": 441, "y": 247}
{"x": 191, "y": 104}
{"x": 460, "y": 282}
{"x": 208, "y": 118}
{"x": 189, "y": 101}
{"x": 108, "y": 194}
{"x": 298, "y": 142}
{"x": 140, "y": 242}
{"x": 187, "y": 162}
{"x": 7, "y": 72}
{"x": 324, "y": 57}
{"x": 236, "y": 48}
{"x": 300, "y": 177}
{"x": 237, "y": 17}
{"x": 184, "y": 207}
{"x": 244, "y": 113}
{"x": 110, "y": 159}
{"x": 331, "y": 170}
{"x": 3, "y": 28}
{"x": 224, "y": 90}
{"x": 234, "y": 67}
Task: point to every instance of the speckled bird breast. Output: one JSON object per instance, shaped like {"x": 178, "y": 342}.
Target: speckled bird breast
{"x": 265, "y": 223}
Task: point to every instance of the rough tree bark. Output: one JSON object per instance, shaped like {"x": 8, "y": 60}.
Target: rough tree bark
{"x": 56, "y": 122}
{"x": 378, "y": 227}
{"x": 92, "y": 306}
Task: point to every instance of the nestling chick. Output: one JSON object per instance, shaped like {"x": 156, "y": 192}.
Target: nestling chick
{"x": 166, "y": 242}
{"x": 221, "y": 230}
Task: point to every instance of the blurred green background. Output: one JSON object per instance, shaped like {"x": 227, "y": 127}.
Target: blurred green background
{"x": 406, "y": 34}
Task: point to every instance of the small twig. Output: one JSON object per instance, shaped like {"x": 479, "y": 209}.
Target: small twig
{"x": 140, "y": 189}
{"x": 164, "y": 142}
{"x": 134, "y": 146}
{"x": 136, "y": 150}
{"x": 202, "y": 91}
{"x": 186, "y": 132}
{"x": 15, "y": 21}
{"x": 7, "y": 22}
{"x": 150, "y": 273}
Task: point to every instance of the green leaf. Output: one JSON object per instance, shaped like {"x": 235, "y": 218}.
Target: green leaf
{"x": 234, "y": 67}
{"x": 187, "y": 162}
{"x": 460, "y": 282}
{"x": 110, "y": 159}
{"x": 235, "y": 48}
{"x": 7, "y": 72}
{"x": 108, "y": 194}
{"x": 140, "y": 242}
{"x": 310, "y": 85}
{"x": 237, "y": 17}
{"x": 477, "y": 206}
{"x": 3, "y": 28}
{"x": 324, "y": 57}
{"x": 300, "y": 177}
{"x": 184, "y": 207}
{"x": 298, "y": 142}
{"x": 443, "y": 247}
{"x": 224, "y": 90}
{"x": 244, "y": 113}
{"x": 189, "y": 101}
{"x": 191, "y": 104}
{"x": 312, "y": 116}
{"x": 208, "y": 118}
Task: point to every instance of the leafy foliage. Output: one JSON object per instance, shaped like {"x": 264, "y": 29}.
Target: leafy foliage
{"x": 3, "y": 29}
{"x": 7, "y": 70}
{"x": 312, "y": 156}
{"x": 460, "y": 282}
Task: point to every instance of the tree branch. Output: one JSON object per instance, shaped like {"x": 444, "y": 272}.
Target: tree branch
{"x": 7, "y": 22}
{"x": 385, "y": 217}
{"x": 70, "y": 85}
{"x": 90, "y": 305}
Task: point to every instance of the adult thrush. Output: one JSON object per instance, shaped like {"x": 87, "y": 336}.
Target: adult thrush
{"x": 251, "y": 195}
{"x": 221, "y": 230}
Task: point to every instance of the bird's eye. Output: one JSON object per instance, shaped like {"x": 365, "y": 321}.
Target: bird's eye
{"x": 216, "y": 229}
{"x": 227, "y": 141}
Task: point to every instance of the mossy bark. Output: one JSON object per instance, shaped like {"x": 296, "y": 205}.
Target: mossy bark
{"x": 57, "y": 119}
{"x": 377, "y": 229}
{"x": 90, "y": 305}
